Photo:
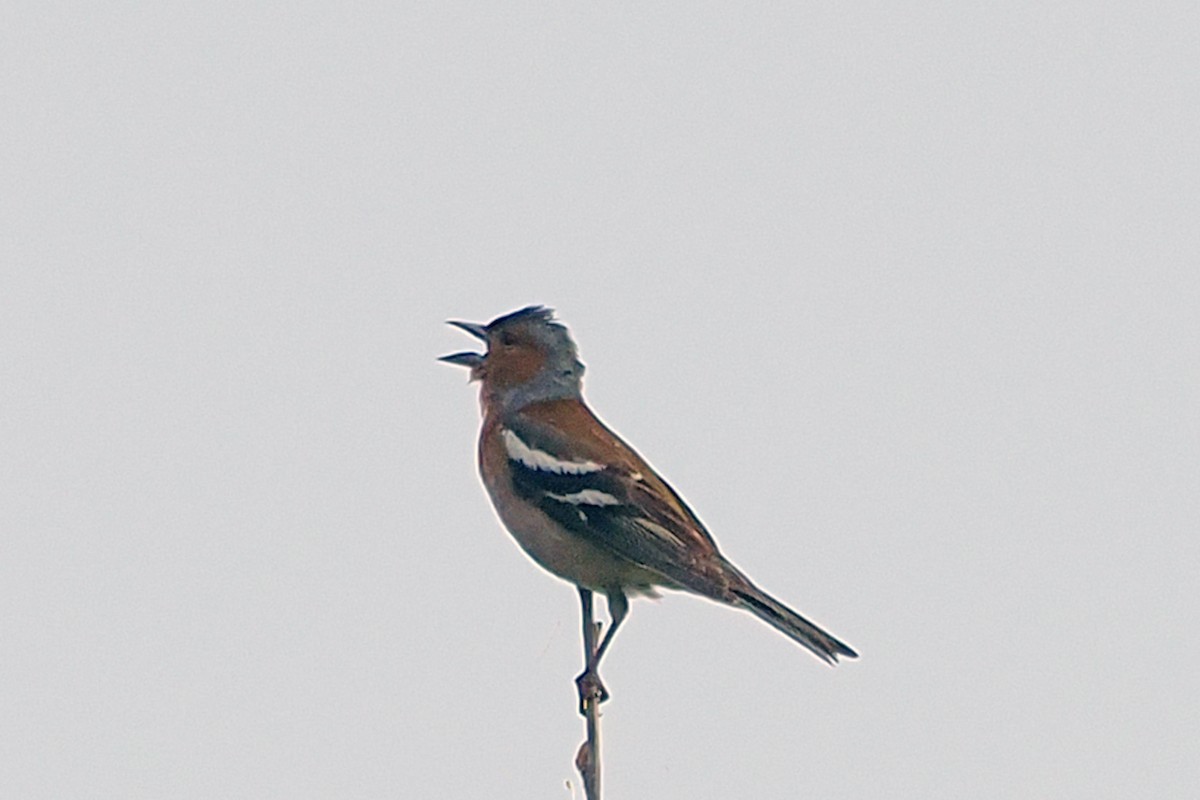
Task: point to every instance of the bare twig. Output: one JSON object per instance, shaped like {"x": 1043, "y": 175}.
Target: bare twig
{"x": 587, "y": 760}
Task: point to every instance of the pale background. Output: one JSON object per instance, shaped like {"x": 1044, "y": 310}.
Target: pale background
{"x": 903, "y": 299}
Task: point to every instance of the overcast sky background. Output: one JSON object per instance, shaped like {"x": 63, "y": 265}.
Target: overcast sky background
{"x": 902, "y": 298}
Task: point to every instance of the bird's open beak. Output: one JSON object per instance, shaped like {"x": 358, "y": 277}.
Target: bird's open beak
{"x": 473, "y": 328}
{"x": 471, "y": 360}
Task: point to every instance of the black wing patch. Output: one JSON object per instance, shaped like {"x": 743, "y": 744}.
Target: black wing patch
{"x": 597, "y": 502}
{"x": 575, "y": 499}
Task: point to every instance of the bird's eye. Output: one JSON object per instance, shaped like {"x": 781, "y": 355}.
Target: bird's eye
{"x": 507, "y": 340}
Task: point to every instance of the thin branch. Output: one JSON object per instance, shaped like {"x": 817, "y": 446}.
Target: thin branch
{"x": 587, "y": 759}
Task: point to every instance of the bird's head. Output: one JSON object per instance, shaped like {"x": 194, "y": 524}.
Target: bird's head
{"x": 529, "y": 357}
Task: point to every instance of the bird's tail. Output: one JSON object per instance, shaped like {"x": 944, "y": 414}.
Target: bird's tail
{"x": 822, "y": 643}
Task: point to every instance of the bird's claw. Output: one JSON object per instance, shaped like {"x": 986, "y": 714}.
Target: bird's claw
{"x": 591, "y": 690}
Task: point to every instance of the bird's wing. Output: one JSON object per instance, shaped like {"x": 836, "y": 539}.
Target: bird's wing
{"x": 566, "y": 462}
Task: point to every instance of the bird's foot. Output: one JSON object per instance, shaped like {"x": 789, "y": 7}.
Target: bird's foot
{"x": 591, "y": 690}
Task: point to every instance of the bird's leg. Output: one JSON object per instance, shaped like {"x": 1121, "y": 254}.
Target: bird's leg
{"x": 618, "y": 607}
{"x": 591, "y": 688}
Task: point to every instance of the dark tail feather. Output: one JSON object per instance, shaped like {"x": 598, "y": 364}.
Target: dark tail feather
{"x": 822, "y": 644}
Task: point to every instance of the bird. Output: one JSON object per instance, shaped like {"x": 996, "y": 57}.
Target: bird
{"x": 582, "y": 503}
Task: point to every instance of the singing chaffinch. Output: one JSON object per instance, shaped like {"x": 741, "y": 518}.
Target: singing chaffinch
{"x": 581, "y": 502}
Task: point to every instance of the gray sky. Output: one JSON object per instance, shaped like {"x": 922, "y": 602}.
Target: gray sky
{"x": 903, "y": 300}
